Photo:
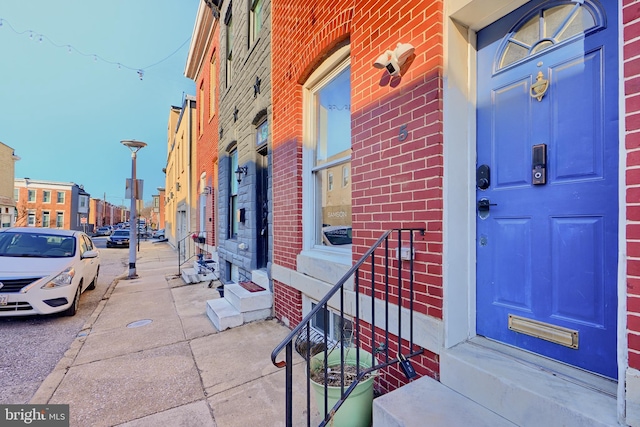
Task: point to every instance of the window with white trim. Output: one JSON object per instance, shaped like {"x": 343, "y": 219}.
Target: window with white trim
{"x": 328, "y": 153}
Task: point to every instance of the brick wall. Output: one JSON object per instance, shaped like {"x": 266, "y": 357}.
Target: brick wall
{"x": 397, "y": 166}
{"x": 207, "y": 139}
{"x": 631, "y": 22}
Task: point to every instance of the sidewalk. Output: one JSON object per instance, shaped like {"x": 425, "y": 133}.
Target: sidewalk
{"x": 172, "y": 367}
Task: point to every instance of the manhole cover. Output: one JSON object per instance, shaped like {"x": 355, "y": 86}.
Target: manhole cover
{"x": 139, "y": 323}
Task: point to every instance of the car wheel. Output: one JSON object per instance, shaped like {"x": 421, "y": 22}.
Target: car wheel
{"x": 73, "y": 308}
{"x": 93, "y": 283}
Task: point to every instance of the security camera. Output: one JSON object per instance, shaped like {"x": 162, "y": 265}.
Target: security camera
{"x": 392, "y": 60}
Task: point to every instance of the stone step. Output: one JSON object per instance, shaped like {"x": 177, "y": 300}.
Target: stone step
{"x": 245, "y": 301}
{"x": 189, "y": 275}
{"x": 429, "y": 402}
{"x": 222, "y": 314}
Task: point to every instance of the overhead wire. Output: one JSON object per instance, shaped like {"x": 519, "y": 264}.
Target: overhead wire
{"x": 70, "y": 48}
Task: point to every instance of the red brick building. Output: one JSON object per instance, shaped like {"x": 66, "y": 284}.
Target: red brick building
{"x": 51, "y": 204}
{"x": 202, "y": 65}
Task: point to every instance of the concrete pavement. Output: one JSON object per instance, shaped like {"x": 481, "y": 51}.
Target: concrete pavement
{"x": 150, "y": 356}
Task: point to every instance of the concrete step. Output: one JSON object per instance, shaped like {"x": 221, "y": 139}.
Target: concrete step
{"x": 245, "y": 301}
{"x": 222, "y": 314}
{"x": 189, "y": 275}
{"x": 527, "y": 389}
{"x": 427, "y": 402}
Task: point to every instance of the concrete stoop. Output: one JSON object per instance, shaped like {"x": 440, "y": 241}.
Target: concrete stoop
{"x": 483, "y": 385}
{"x": 427, "y": 402}
{"x": 239, "y": 306}
{"x": 197, "y": 274}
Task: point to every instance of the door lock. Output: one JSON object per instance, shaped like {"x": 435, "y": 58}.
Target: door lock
{"x": 484, "y": 205}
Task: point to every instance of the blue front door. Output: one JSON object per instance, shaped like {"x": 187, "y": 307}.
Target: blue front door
{"x": 547, "y": 228}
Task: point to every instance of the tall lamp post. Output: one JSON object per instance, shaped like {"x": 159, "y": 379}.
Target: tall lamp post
{"x": 134, "y": 146}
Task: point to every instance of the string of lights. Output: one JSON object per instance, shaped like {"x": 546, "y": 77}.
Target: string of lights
{"x": 70, "y": 49}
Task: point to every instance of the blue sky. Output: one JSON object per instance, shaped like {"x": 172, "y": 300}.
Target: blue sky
{"x": 66, "y": 104}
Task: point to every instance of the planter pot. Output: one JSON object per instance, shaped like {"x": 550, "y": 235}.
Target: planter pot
{"x": 356, "y": 409}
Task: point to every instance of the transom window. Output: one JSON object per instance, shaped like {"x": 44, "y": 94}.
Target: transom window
{"x": 546, "y": 28}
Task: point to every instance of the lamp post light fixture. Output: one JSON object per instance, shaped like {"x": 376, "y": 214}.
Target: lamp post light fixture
{"x": 242, "y": 170}
{"x": 134, "y": 146}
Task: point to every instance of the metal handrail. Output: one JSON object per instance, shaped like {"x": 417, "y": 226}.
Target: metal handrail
{"x": 305, "y": 327}
{"x": 191, "y": 246}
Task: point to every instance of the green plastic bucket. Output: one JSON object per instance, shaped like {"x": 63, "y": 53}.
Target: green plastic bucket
{"x": 356, "y": 410}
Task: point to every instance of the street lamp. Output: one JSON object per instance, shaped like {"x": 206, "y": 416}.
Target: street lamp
{"x": 134, "y": 146}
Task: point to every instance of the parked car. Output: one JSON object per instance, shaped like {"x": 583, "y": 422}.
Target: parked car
{"x": 119, "y": 238}
{"x": 44, "y": 271}
{"x": 336, "y": 235}
{"x": 103, "y": 231}
{"x": 158, "y": 234}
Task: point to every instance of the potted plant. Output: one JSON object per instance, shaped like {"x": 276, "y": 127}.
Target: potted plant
{"x": 356, "y": 410}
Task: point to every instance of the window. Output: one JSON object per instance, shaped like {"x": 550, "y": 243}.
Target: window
{"x": 262, "y": 134}
{"x": 213, "y": 75}
{"x": 46, "y": 219}
{"x": 229, "y": 45}
{"x": 546, "y": 28}
{"x": 60, "y": 219}
{"x": 328, "y": 129}
{"x": 338, "y": 329}
{"x": 60, "y": 197}
{"x": 31, "y": 219}
{"x": 345, "y": 176}
{"x": 31, "y": 197}
{"x": 255, "y": 20}
{"x": 201, "y": 110}
{"x": 16, "y": 194}
{"x": 234, "y": 213}
{"x": 46, "y": 196}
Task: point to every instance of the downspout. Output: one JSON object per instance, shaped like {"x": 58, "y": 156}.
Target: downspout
{"x": 189, "y": 171}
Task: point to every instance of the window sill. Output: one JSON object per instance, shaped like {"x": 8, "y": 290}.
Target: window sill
{"x": 326, "y": 265}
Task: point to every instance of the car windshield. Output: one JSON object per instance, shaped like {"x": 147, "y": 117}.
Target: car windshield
{"x": 121, "y": 233}
{"x": 36, "y": 245}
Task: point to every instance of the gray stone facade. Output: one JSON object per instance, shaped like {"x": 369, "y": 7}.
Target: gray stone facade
{"x": 244, "y": 104}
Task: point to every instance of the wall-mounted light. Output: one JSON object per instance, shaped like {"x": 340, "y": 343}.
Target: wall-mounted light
{"x": 392, "y": 60}
{"x": 242, "y": 170}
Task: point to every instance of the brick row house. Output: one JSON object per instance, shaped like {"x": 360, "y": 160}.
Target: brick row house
{"x": 103, "y": 213}
{"x": 505, "y": 132}
{"x": 51, "y": 204}
{"x": 7, "y": 176}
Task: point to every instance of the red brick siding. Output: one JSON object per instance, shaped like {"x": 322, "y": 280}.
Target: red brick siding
{"x": 287, "y": 304}
{"x": 394, "y": 183}
{"x": 207, "y": 139}
{"x": 631, "y": 52}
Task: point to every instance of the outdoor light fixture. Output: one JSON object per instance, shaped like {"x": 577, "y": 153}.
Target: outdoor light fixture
{"x": 392, "y": 60}
{"x": 241, "y": 170}
{"x": 134, "y": 146}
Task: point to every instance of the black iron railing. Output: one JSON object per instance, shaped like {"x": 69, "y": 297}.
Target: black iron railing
{"x": 383, "y": 285}
{"x": 189, "y": 248}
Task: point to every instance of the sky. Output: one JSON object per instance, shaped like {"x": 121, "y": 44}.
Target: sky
{"x": 65, "y": 103}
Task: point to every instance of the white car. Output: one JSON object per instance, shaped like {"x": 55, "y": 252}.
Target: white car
{"x": 44, "y": 270}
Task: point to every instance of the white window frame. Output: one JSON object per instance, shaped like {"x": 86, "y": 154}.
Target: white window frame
{"x": 329, "y": 69}
{"x": 253, "y": 31}
{"x": 29, "y": 193}
{"x": 31, "y": 218}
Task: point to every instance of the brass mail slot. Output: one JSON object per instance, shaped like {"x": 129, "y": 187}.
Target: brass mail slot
{"x": 545, "y": 331}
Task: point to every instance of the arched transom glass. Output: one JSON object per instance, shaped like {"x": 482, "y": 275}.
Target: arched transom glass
{"x": 546, "y": 28}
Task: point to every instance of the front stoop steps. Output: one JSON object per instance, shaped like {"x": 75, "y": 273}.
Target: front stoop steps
{"x": 238, "y": 306}
{"x": 197, "y": 274}
{"x": 484, "y": 385}
{"x": 426, "y": 402}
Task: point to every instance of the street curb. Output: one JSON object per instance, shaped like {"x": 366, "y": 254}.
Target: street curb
{"x": 50, "y": 384}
